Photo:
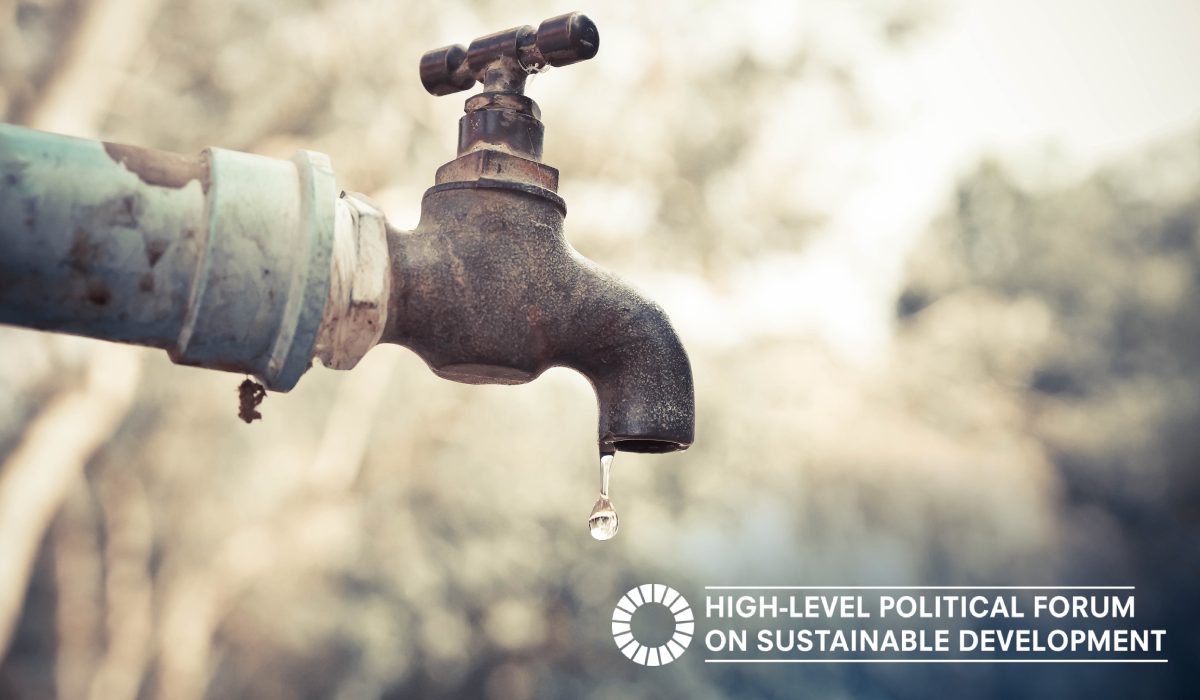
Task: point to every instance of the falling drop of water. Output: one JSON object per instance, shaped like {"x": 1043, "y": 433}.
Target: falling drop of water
{"x": 603, "y": 521}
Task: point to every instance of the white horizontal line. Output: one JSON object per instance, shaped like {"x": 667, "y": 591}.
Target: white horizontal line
{"x": 935, "y": 661}
{"x": 920, "y": 588}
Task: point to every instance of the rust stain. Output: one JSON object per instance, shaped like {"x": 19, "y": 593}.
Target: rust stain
{"x": 154, "y": 250}
{"x": 123, "y": 211}
{"x": 83, "y": 252}
{"x": 250, "y": 395}
{"x": 98, "y": 292}
{"x": 146, "y": 283}
{"x": 160, "y": 168}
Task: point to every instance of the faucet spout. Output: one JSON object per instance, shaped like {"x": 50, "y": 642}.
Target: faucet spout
{"x": 487, "y": 290}
{"x": 629, "y": 351}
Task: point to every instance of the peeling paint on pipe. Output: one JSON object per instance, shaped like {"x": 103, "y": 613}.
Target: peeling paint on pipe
{"x": 223, "y": 259}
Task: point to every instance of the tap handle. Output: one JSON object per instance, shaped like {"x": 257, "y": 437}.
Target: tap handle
{"x": 566, "y": 39}
{"x": 502, "y": 60}
{"x": 441, "y": 72}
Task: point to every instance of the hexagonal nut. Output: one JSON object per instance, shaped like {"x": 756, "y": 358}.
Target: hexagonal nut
{"x": 497, "y": 165}
{"x": 360, "y": 284}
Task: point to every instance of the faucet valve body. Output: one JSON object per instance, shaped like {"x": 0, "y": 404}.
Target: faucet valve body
{"x": 487, "y": 290}
{"x": 502, "y": 121}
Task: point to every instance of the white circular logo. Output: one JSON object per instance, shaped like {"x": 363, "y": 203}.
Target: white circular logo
{"x": 649, "y": 594}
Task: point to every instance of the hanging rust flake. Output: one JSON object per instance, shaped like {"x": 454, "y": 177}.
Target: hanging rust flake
{"x": 250, "y": 395}
{"x": 160, "y": 168}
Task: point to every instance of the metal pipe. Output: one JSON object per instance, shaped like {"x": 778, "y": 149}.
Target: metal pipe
{"x": 225, "y": 259}
{"x": 92, "y": 248}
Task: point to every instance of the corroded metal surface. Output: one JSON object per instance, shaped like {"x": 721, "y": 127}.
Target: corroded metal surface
{"x": 497, "y": 165}
{"x": 158, "y": 168}
{"x": 359, "y": 288}
{"x": 487, "y": 290}
{"x": 502, "y": 60}
{"x": 222, "y": 259}
{"x": 88, "y": 246}
{"x": 249, "y": 309}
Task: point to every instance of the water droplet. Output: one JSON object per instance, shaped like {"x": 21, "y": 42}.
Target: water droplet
{"x": 603, "y": 521}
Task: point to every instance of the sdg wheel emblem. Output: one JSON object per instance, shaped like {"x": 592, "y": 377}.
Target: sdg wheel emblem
{"x": 646, "y": 594}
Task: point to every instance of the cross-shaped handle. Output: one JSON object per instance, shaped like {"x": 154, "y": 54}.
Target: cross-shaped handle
{"x": 501, "y": 61}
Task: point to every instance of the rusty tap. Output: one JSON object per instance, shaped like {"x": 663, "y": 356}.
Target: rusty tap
{"x": 487, "y": 289}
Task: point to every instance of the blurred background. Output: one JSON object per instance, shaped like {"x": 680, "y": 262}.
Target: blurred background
{"x": 936, "y": 265}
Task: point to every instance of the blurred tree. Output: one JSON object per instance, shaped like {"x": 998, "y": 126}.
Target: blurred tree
{"x": 1115, "y": 396}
